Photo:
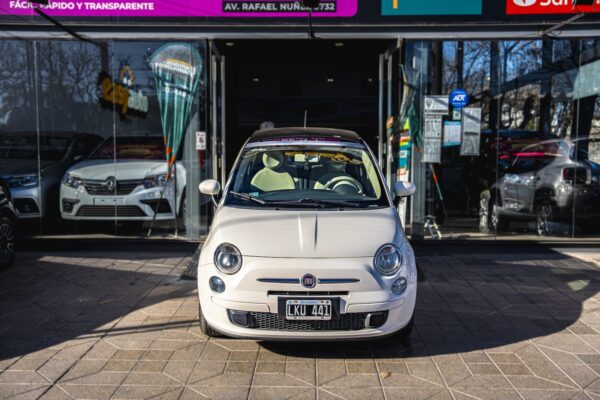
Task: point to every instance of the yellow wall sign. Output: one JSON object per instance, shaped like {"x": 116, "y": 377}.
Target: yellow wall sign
{"x": 124, "y": 100}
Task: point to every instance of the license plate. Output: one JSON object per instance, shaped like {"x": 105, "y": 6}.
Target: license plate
{"x": 308, "y": 310}
{"x": 108, "y": 201}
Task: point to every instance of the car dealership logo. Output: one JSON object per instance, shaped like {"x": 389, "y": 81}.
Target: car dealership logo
{"x": 110, "y": 183}
{"x": 309, "y": 281}
{"x": 524, "y": 3}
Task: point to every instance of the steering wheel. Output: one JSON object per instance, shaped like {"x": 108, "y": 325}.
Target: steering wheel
{"x": 343, "y": 180}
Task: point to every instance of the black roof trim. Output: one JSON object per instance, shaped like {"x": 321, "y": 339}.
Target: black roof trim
{"x": 287, "y": 133}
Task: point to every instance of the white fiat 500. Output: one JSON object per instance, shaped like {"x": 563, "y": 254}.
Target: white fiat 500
{"x": 306, "y": 243}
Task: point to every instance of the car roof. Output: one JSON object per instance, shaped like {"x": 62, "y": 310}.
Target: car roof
{"x": 303, "y": 133}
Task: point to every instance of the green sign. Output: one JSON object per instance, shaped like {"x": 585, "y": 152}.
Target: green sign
{"x": 431, "y": 7}
{"x": 177, "y": 68}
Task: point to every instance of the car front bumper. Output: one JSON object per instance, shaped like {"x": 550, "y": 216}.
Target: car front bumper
{"x": 139, "y": 205}
{"x": 245, "y": 293}
{"x": 27, "y": 202}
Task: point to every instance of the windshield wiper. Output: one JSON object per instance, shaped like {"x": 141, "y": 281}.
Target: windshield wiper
{"x": 308, "y": 201}
{"x": 247, "y": 197}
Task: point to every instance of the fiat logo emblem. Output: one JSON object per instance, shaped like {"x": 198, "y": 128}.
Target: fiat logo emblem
{"x": 110, "y": 183}
{"x": 309, "y": 281}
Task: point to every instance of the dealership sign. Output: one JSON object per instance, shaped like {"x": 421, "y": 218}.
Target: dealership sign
{"x": 182, "y": 8}
{"x": 528, "y": 7}
{"x": 431, "y": 7}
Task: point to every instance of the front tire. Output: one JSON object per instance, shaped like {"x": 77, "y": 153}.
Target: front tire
{"x": 544, "y": 217}
{"x": 205, "y": 328}
{"x": 490, "y": 219}
{"x": 7, "y": 242}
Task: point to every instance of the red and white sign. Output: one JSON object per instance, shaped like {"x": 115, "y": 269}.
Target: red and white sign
{"x": 525, "y": 7}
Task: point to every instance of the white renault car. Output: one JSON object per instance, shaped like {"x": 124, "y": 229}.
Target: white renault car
{"x": 122, "y": 181}
{"x": 306, "y": 243}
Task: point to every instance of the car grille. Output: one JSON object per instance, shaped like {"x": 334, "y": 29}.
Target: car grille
{"x": 122, "y": 187}
{"x": 346, "y": 322}
{"x": 110, "y": 211}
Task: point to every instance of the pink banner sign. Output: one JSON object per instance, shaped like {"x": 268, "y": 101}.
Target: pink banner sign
{"x": 182, "y": 8}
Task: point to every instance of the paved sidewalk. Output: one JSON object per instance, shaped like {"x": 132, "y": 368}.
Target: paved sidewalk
{"x": 122, "y": 325}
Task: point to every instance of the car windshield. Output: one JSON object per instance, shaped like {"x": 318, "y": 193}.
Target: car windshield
{"x": 306, "y": 176}
{"x": 25, "y": 147}
{"x": 131, "y": 148}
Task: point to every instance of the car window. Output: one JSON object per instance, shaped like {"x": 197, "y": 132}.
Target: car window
{"x": 131, "y": 148}
{"x": 25, "y": 147}
{"x": 588, "y": 150}
{"x": 538, "y": 156}
{"x": 310, "y": 173}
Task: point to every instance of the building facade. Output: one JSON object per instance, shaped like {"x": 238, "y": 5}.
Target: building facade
{"x": 490, "y": 107}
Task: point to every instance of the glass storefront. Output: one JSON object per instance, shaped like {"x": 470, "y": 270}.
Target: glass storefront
{"x": 517, "y": 154}
{"x": 82, "y": 144}
{"x": 522, "y": 158}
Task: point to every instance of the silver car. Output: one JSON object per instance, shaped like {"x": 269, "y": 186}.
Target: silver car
{"x": 551, "y": 181}
{"x": 33, "y": 165}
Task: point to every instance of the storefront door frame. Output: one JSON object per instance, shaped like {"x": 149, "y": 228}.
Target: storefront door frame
{"x": 217, "y": 114}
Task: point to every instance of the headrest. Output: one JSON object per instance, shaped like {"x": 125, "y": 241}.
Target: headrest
{"x": 273, "y": 160}
{"x": 334, "y": 165}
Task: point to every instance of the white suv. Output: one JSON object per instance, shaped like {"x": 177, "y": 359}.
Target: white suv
{"x": 123, "y": 181}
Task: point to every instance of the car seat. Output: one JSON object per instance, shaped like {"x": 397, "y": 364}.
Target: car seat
{"x": 330, "y": 169}
{"x": 271, "y": 177}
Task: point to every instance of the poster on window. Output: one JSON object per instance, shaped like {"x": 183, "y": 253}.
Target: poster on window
{"x": 471, "y": 135}
{"x": 432, "y": 139}
{"x": 452, "y": 133}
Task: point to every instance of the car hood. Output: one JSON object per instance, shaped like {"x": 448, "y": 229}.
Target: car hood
{"x": 305, "y": 233}
{"x": 102, "y": 169}
{"x": 9, "y": 167}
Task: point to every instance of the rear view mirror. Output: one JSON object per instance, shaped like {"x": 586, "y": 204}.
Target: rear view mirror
{"x": 404, "y": 189}
{"x": 211, "y": 187}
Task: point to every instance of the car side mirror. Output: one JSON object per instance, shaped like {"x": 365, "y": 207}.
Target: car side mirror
{"x": 404, "y": 189}
{"x": 210, "y": 187}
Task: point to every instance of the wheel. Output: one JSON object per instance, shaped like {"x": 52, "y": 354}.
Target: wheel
{"x": 490, "y": 219}
{"x": 7, "y": 242}
{"x": 183, "y": 211}
{"x": 484, "y": 215}
{"x": 544, "y": 216}
{"x": 205, "y": 328}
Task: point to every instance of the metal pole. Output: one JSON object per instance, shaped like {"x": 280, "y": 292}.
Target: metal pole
{"x": 223, "y": 126}
{"x": 388, "y": 164}
{"x": 213, "y": 136}
{"x": 381, "y": 121}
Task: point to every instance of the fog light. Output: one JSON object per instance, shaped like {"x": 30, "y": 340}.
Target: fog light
{"x": 375, "y": 320}
{"x": 241, "y": 318}
{"x": 216, "y": 284}
{"x": 399, "y": 286}
{"x": 68, "y": 204}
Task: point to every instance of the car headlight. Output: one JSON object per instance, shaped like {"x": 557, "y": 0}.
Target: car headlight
{"x": 155, "y": 181}
{"x": 228, "y": 259}
{"x": 388, "y": 260}
{"x": 72, "y": 181}
{"x": 22, "y": 181}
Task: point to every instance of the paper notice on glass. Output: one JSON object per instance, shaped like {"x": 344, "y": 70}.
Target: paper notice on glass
{"x": 433, "y": 126}
{"x": 200, "y": 140}
{"x": 471, "y": 137}
{"x": 452, "y": 133}
{"x": 432, "y": 139}
{"x": 437, "y": 105}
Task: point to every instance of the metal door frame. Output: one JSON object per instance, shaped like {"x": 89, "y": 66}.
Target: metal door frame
{"x": 217, "y": 113}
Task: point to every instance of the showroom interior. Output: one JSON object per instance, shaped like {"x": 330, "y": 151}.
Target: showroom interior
{"x": 537, "y": 155}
